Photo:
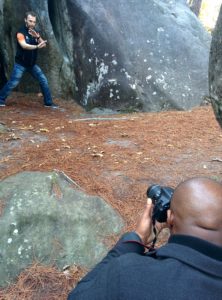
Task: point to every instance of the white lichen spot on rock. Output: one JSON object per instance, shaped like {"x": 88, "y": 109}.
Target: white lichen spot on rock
{"x": 160, "y": 29}
{"x": 19, "y": 204}
{"x": 20, "y": 250}
{"x": 127, "y": 75}
{"x": 9, "y": 240}
{"x": 133, "y": 86}
{"x": 148, "y": 78}
{"x": 114, "y": 62}
{"x": 15, "y": 232}
{"x": 187, "y": 88}
{"x": 154, "y": 93}
{"x": 101, "y": 71}
{"x": 113, "y": 81}
{"x": 92, "y": 87}
{"x": 66, "y": 59}
{"x": 162, "y": 81}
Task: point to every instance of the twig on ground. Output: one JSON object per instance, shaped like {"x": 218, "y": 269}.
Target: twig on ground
{"x": 103, "y": 119}
{"x": 217, "y": 159}
{"x": 67, "y": 178}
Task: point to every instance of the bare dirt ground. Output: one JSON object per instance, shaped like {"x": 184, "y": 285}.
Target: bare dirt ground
{"x": 113, "y": 156}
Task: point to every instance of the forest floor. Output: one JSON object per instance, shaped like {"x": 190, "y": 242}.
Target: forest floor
{"x": 113, "y": 156}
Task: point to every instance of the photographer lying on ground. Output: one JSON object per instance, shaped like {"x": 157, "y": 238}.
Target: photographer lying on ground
{"x": 189, "y": 266}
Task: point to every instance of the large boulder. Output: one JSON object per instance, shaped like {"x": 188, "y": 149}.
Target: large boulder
{"x": 151, "y": 55}
{"x": 215, "y": 69}
{"x": 46, "y": 218}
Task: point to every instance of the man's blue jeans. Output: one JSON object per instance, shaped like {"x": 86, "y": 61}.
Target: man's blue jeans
{"x": 16, "y": 76}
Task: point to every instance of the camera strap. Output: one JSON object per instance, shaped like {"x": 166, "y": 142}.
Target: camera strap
{"x": 155, "y": 238}
{"x": 150, "y": 248}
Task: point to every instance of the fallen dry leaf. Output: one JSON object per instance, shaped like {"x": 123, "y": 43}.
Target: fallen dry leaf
{"x": 97, "y": 154}
{"x": 13, "y": 137}
{"x": 43, "y": 130}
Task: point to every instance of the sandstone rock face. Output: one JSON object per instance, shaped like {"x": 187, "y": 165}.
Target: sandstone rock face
{"x": 45, "y": 218}
{"x": 215, "y": 70}
{"x": 150, "y": 55}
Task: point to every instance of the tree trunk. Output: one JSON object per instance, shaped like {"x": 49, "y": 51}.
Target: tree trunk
{"x": 195, "y": 6}
{"x": 215, "y": 70}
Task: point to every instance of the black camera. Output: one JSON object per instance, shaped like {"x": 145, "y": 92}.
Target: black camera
{"x": 161, "y": 197}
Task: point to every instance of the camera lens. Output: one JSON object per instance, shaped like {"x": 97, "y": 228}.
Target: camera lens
{"x": 154, "y": 192}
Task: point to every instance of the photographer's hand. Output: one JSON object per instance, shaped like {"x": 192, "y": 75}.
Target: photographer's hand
{"x": 160, "y": 226}
{"x": 144, "y": 225}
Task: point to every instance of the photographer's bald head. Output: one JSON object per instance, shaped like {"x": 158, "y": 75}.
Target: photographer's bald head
{"x": 191, "y": 260}
{"x": 196, "y": 210}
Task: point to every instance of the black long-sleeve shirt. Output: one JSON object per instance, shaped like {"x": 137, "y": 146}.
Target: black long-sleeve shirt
{"x": 185, "y": 268}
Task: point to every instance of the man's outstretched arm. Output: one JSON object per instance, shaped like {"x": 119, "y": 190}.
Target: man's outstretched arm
{"x": 102, "y": 282}
{"x": 26, "y": 46}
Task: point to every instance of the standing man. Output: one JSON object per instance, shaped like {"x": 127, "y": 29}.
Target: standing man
{"x": 28, "y": 43}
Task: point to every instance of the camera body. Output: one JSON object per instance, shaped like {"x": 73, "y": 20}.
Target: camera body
{"x": 161, "y": 197}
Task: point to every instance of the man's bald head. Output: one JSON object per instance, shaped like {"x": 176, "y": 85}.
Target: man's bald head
{"x": 196, "y": 209}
